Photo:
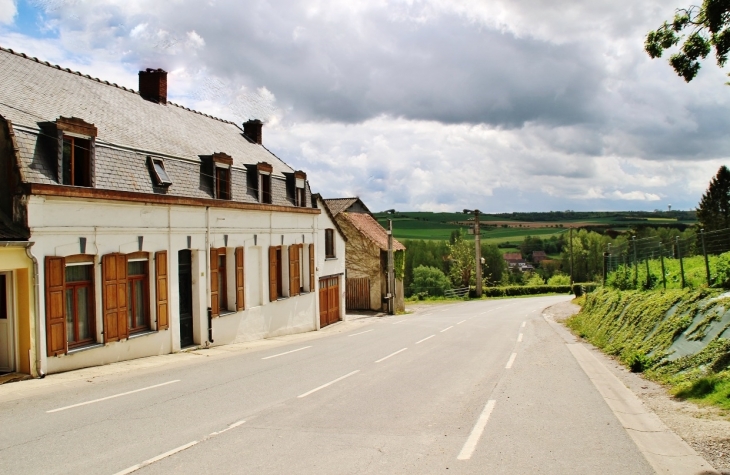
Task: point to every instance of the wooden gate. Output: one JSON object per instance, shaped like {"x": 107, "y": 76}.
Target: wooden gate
{"x": 358, "y": 294}
{"x": 329, "y": 301}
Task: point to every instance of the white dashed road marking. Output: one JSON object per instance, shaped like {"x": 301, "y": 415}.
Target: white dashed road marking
{"x": 285, "y": 353}
{"x": 328, "y": 384}
{"x": 112, "y": 397}
{"x": 427, "y": 338}
{"x": 392, "y": 354}
{"x": 445, "y": 329}
{"x": 511, "y": 361}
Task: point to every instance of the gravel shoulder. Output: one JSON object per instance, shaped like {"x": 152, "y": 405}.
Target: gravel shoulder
{"x": 705, "y": 429}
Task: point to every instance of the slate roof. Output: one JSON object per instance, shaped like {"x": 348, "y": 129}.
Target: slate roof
{"x": 338, "y": 205}
{"x": 33, "y": 92}
{"x": 363, "y": 221}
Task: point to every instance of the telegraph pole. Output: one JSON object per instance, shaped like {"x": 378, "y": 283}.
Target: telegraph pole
{"x": 390, "y": 279}
{"x": 478, "y": 250}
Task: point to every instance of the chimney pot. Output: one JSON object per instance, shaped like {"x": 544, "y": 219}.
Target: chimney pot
{"x": 252, "y": 130}
{"x": 153, "y": 85}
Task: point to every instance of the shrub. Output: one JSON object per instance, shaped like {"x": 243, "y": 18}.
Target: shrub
{"x": 722, "y": 267}
{"x": 559, "y": 279}
{"x": 429, "y": 281}
{"x": 515, "y": 291}
{"x": 535, "y": 280}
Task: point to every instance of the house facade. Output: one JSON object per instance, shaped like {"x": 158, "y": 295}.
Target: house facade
{"x": 154, "y": 227}
{"x": 366, "y": 256}
{"x": 330, "y": 266}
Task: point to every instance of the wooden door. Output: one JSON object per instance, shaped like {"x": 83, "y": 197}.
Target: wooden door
{"x": 333, "y": 300}
{"x": 185, "y": 291}
{"x": 323, "y": 304}
{"x": 7, "y": 354}
{"x": 358, "y": 294}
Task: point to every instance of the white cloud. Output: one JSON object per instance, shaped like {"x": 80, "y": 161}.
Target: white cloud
{"x": 8, "y": 10}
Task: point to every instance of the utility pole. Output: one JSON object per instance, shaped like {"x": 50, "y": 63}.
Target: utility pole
{"x": 572, "y": 281}
{"x": 390, "y": 279}
{"x": 478, "y": 250}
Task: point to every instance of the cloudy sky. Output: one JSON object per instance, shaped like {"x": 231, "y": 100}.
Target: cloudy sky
{"x": 503, "y": 105}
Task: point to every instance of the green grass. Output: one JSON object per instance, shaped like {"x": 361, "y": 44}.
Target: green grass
{"x": 695, "y": 273}
{"x": 713, "y": 390}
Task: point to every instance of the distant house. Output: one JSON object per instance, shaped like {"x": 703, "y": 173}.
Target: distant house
{"x": 539, "y": 256}
{"x": 366, "y": 256}
{"x": 513, "y": 259}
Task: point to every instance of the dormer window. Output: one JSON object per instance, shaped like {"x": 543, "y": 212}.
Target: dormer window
{"x": 300, "y": 194}
{"x": 76, "y": 157}
{"x": 222, "y": 175}
{"x": 264, "y": 174}
{"x": 157, "y": 168}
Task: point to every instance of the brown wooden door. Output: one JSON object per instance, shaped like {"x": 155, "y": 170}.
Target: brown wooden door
{"x": 358, "y": 294}
{"x": 329, "y": 301}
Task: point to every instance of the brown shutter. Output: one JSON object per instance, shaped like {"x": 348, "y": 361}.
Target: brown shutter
{"x": 55, "y": 306}
{"x": 240, "y": 304}
{"x": 273, "y": 277}
{"x": 293, "y": 270}
{"x": 114, "y": 275}
{"x": 312, "y": 283}
{"x": 163, "y": 319}
{"x": 214, "y": 294}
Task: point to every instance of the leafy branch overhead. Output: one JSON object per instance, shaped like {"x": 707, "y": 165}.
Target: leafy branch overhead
{"x": 698, "y": 29}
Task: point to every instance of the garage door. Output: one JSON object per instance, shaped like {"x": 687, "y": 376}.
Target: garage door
{"x": 329, "y": 301}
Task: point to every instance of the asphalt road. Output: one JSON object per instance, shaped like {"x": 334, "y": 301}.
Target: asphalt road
{"x": 475, "y": 387}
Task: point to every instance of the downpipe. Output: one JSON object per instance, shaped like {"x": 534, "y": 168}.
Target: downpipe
{"x": 36, "y": 311}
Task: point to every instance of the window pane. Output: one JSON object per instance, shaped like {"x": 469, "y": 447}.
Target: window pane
{"x": 82, "y": 163}
{"x": 161, "y": 172}
{"x": 82, "y": 300}
{"x": 139, "y": 307}
{"x": 78, "y": 273}
{"x": 136, "y": 268}
{"x": 70, "y": 316}
{"x": 67, "y": 157}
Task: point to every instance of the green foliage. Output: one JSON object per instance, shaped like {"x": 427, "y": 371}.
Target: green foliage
{"x": 580, "y": 288}
{"x": 559, "y": 279}
{"x": 516, "y": 291}
{"x": 707, "y": 26}
{"x": 399, "y": 264}
{"x": 429, "y": 281}
{"x": 461, "y": 262}
{"x": 494, "y": 265}
{"x": 534, "y": 280}
{"x": 639, "y": 328}
{"x": 713, "y": 212}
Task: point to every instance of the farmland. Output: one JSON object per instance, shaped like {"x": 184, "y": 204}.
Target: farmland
{"x": 513, "y": 227}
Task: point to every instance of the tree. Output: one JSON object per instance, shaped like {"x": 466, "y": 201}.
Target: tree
{"x": 713, "y": 211}
{"x": 462, "y": 260}
{"x": 494, "y": 264}
{"x": 706, "y": 26}
{"x": 429, "y": 279}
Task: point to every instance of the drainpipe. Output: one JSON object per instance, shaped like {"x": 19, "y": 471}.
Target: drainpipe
{"x": 207, "y": 274}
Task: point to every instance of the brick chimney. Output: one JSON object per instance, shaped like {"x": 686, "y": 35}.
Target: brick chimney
{"x": 153, "y": 85}
{"x": 252, "y": 130}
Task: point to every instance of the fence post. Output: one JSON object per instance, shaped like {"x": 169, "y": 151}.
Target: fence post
{"x": 664, "y": 273}
{"x": 648, "y": 275}
{"x": 681, "y": 262}
{"x": 636, "y": 265}
{"x": 704, "y": 252}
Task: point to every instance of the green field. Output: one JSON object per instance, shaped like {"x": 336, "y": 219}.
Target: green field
{"x": 513, "y": 227}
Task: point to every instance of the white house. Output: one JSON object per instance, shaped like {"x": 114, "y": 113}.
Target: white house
{"x": 154, "y": 227}
{"x": 330, "y": 266}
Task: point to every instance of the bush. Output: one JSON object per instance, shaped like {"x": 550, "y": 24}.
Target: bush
{"x": 559, "y": 279}
{"x": 516, "y": 291}
{"x": 535, "y": 280}
{"x": 722, "y": 267}
{"x": 429, "y": 281}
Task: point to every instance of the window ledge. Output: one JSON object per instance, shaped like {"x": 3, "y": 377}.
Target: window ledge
{"x": 141, "y": 334}
{"x": 330, "y": 258}
{"x": 84, "y": 348}
{"x": 227, "y": 313}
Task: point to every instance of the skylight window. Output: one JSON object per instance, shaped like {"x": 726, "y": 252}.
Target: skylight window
{"x": 157, "y": 167}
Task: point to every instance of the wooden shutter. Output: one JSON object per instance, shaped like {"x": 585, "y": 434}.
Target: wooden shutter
{"x": 240, "y": 294}
{"x": 214, "y": 294}
{"x": 114, "y": 277}
{"x": 273, "y": 275}
{"x": 161, "y": 283}
{"x": 311, "y": 268}
{"x": 294, "y": 270}
{"x": 55, "y": 306}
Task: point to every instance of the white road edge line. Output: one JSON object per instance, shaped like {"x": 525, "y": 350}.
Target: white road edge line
{"x": 328, "y": 384}
{"x": 134, "y": 468}
{"x": 511, "y": 361}
{"x": 427, "y": 338}
{"x": 230, "y": 427}
{"x": 461, "y": 322}
{"x": 286, "y": 353}
{"x": 519, "y": 338}
{"x": 523, "y": 324}
{"x": 392, "y": 354}
{"x": 476, "y": 432}
{"x": 111, "y": 397}
{"x": 355, "y": 334}
{"x": 452, "y": 326}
